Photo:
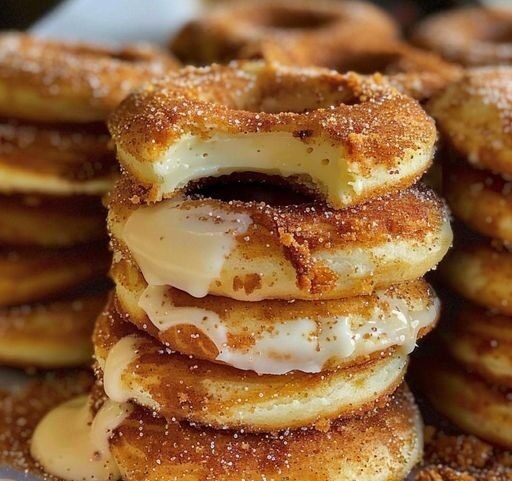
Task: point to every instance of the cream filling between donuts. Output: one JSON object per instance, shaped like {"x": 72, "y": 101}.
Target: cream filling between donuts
{"x": 72, "y": 444}
{"x": 300, "y": 344}
{"x": 183, "y": 248}
{"x": 318, "y": 163}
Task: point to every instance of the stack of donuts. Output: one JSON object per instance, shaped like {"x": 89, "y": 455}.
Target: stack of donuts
{"x": 269, "y": 247}
{"x": 56, "y": 161}
{"x": 471, "y": 382}
{"x": 344, "y": 36}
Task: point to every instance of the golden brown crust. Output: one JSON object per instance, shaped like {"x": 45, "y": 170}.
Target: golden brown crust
{"x": 480, "y": 199}
{"x": 56, "y": 159}
{"x": 384, "y": 445}
{"x": 370, "y": 123}
{"x": 30, "y": 274}
{"x": 53, "y": 81}
{"x": 475, "y": 117}
{"x": 46, "y": 221}
{"x": 470, "y": 36}
{"x": 184, "y": 388}
{"x": 297, "y": 235}
{"x": 481, "y": 341}
{"x": 238, "y": 31}
{"x": 50, "y": 335}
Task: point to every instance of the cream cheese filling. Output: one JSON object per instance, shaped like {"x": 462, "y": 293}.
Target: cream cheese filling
{"x": 71, "y": 444}
{"x": 299, "y": 344}
{"x": 183, "y": 248}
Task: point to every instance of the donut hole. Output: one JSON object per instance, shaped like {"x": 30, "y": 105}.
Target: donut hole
{"x": 367, "y": 63}
{"x": 249, "y": 187}
{"x": 280, "y": 18}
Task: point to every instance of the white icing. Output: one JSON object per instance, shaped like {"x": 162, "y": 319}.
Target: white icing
{"x": 298, "y": 344}
{"x": 183, "y": 248}
{"x": 72, "y": 446}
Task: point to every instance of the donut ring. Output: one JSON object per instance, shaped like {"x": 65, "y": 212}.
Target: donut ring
{"x": 57, "y": 160}
{"x": 414, "y": 72}
{"x": 481, "y": 274}
{"x": 466, "y": 400}
{"x": 50, "y": 335}
{"x": 481, "y": 341}
{"x": 31, "y": 274}
{"x": 258, "y": 251}
{"x": 355, "y": 137}
{"x": 51, "y": 81}
{"x": 136, "y": 367}
{"x": 475, "y": 116}
{"x": 384, "y": 445}
{"x": 34, "y": 220}
{"x": 471, "y": 36}
{"x": 277, "y": 337}
{"x": 481, "y": 200}
{"x": 235, "y": 31}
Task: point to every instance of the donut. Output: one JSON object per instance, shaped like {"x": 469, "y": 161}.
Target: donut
{"x": 136, "y": 367}
{"x": 481, "y": 341}
{"x": 254, "y": 250}
{"x": 55, "y": 159}
{"x": 412, "y": 71}
{"x": 384, "y": 446}
{"x": 481, "y": 274}
{"x": 277, "y": 337}
{"x": 237, "y": 31}
{"x": 30, "y": 274}
{"x": 471, "y": 36}
{"x": 480, "y": 199}
{"x": 49, "y": 221}
{"x": 54, "y": 81}
{"x": 474, "y": 116}
{"x": 346, "y": 138}
{"x": 52, "y": 334}
{"x": 465, "y": 399}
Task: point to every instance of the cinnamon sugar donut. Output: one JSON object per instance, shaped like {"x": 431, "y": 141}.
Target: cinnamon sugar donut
{"x": 384, "y": 445}
{"x": 346, "y": 137}
{"x": 30, "y": 274}
{"x": 55, "y": 81}
{"x": 237, "y": 31}
{"x": 475, "y": 116}
{"x": 480, "y": 199}
{"x": 56, "y": 159}
{"x": 276, "y": 337}
{"x": 136, "y": 367}
{"x": 481, "y": 274}
{"x": 254, "y": 249}
{"x": 48, "y": 221}
{"x": 470, "y": 36}
{"x": 53, "y": 334}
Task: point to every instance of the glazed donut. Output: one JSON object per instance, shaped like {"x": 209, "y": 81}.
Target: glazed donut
{"x": 471, "y": 36}
{"x": 136, "y": 367}
{"x": 481, "y": 274}
{"x": 31, "y": 274}
{"x": 414, "y": 72}
{"x": 277, "y": 337}
{"x": 481, "y": 200}
{"x": 345, "y": 137}
{"x": 252, "y": 250}
{"x": 466, "y": 400}
{"x": 475, "y": 117}
{"x": 53, "y": 81}
{"x": 384, "y": 446}
{"x": 236, "y": 31}
{"x": 47, "y": 221}
{"x": 481, "y": 341}
{"x": 50, "y": 335}
{"x": 56, "y": 160}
